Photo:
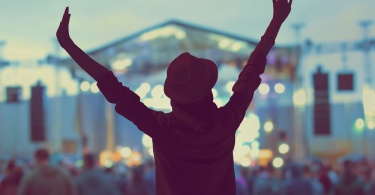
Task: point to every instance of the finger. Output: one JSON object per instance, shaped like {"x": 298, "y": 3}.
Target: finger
{"x": 66, "y": 12}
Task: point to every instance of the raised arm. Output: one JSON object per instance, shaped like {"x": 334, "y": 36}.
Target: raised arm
{"x": 249, "y": 80}
{"x": 93, "y": 68}
{"x": 281, "y": 10}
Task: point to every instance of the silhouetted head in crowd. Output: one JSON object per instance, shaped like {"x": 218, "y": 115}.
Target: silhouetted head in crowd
{"x": 11, "y": 165}
{"x": 89, "y": 160}
{"x": 137, "y": 174}
{"x": 349, "y": 167}
{"x": 41, "y": 156}
{"x": 296, "y": 170}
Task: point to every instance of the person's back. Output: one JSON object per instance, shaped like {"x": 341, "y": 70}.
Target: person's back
{"x": 298, "y": 184}
{"x": 95, "y": 182}
{"x": 348, "y": 182}
{"x": 46, "y": 179}
{"x": 9, "y": 185}
{"x": 191, "y": 158}
{"x": 268, "y": 183}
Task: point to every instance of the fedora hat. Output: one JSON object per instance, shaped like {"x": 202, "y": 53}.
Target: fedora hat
{"x": 189, "y": 78}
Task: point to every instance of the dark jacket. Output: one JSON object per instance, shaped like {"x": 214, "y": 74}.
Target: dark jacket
{"x": 192, "y": 156}
{"x": 95, "y": 182}
{"x": 9, "y": 185}
{"x": 298, "y": 184}
{"x": 349, "y": 184}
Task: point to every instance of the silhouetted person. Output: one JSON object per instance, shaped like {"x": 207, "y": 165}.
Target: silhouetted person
{"x": 137, "y": 184}
{"x": 268, "y": 182}
{"x": 193, "y": 144}
{"x": 12, "y": 179}
{"x": 311, "y": 173}
{"x": 94, "y": 181}
{"x": 150, "y": 177}
{"x": 325, "y": 178}
{"x": 46, "y": 179}
{"x": 349, "y": 183}
{"x": 297, "y": 184}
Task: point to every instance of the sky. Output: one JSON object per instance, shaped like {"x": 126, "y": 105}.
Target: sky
{"x": 28, "y": 27}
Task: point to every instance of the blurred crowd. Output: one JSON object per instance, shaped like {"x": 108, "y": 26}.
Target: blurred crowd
{"x": 315, "y": 177}
{"x": 350, "y": 177}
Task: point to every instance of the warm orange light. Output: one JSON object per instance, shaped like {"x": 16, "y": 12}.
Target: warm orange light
{"x": 135, "y": 159}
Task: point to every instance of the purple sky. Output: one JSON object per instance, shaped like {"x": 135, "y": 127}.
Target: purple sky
{"x": 29, "y": 27}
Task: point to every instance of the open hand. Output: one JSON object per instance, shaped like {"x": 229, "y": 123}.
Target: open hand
{"x": 281, "y": 9}
{"x": 62, "y": 33}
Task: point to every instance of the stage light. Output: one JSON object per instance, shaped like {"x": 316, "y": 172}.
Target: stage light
{"x": 254, "y": 153}
{"x": 146, "y": 140}
{"x": 229, "y": 86}
{"x": 218, "y": 102}
{"x": 264, "y": 89}
{"x": 94, "y": 88}
{"x": 122, "y": 64}
{"x": 108, "y": 163}
{"x": 85, "y": 86}
{"x": 237, "y": 46}
{"x": 125, "y": 152}
{"x": 143, "y": 89}
{"x": 214, "y": 92}
{"x": 279, "y": 88}
{"x": 245, "y": 162}
{"x": 158, "y": 91}
{"x": 284, "y": 148}
{"x": 278, "y": 162}
{"x": 151, "y": 152}
{"x": 359, "y": 124}
{"x": 244, "y": 150}
{"x": 180, "y": 35}
{"x": 223, "y": 43}
{"x": 268, "y": 126}
{"x": 299, "y": 98}
{"x": 368, "y": 101}
{"x": 371, "y": 125}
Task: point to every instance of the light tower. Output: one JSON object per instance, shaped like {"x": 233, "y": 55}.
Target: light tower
{"x": 299, "y": 143}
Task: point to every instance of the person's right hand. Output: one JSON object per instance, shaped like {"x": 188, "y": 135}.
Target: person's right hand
{"x": 281, "y": 9}
{"x": 62, "y": 33}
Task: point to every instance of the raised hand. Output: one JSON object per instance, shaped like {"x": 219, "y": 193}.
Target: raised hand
{"x": 281, "y": 9}
{"x": 62, "y": 33}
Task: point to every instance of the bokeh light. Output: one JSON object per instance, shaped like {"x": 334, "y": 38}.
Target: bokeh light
{"x": 85, "y": 86}
{"x": 264, "y": 89}
{"x": 268, "y": 126}
{"x": 278, "y": 162}
{"x": 94, "y": 88}
{"x": 279, "y": 88}
{"x": 284, "y": 148}
{"x": 359, "y": 124}
{"x": 125, "y": 152}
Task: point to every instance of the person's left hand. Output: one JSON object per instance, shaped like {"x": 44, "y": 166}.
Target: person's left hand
{"x": 281, "y": 9}
{"x": 62, "y": 33}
